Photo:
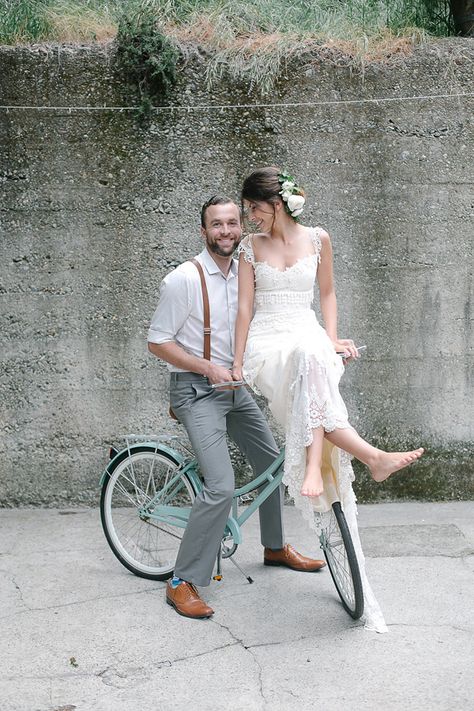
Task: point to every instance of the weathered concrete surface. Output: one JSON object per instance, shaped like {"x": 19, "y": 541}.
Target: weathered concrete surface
{"x": 80, "y": 632}
{"x": 95, "y": 210}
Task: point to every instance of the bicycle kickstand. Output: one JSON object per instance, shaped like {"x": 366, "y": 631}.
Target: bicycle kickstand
{"x": 218, "y": 575}
{"x": 240, "y": 569}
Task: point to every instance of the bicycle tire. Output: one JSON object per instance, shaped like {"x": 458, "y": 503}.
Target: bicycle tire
{"x": 341, "y": 558}
{"x": 145, "y": 547}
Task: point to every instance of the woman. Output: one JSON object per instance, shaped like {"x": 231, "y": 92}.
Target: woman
{"x": 284, "y": 353}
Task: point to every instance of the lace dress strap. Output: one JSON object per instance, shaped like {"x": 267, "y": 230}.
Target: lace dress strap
{"x": 316, "y": 233}
{"x": 246, "y": 248}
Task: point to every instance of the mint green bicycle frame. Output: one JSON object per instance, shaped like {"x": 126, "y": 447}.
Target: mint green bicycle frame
{"x": 158, "y": 509}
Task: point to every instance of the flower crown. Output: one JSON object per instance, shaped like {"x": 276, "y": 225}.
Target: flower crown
{"x": 291, "y": 194}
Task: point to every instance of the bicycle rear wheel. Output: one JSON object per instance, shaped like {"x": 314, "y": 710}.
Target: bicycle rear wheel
{"x": 341, "y": 558}
{"x": 147, "y": 547}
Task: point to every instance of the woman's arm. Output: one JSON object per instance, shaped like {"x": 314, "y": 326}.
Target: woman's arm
{"x": 327, "y": 293}
{"x": 328, "y": 301}
{"x": 244, "y": 314}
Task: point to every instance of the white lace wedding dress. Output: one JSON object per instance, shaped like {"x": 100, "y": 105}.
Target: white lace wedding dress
{"x": 290, "y": 360}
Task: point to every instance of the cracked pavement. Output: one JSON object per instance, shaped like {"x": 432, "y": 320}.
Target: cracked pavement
{"x": 81, "y": 632}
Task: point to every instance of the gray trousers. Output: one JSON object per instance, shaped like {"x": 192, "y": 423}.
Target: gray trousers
{"x": 209, "y": 416}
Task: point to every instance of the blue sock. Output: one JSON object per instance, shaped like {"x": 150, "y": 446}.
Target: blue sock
{"x": 176, "y": 581}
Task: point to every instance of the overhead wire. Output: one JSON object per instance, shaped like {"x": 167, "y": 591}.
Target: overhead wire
{"x": 224, "y": 107}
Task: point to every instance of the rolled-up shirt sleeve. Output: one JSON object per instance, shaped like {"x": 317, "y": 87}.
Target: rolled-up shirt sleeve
{"x": 172, "y": 310}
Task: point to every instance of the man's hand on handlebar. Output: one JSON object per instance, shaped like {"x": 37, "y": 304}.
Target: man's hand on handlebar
{"x": 217, "y": 375}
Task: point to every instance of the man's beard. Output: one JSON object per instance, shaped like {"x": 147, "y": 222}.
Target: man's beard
{"x": 217, "y": 249}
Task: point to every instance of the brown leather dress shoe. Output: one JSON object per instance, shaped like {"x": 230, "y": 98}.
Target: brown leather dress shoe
{"x": 290, "y": 558}
{"x": 186, "y": 601}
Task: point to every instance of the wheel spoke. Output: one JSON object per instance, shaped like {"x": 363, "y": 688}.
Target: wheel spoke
{"x": 164, "y": 530}
{"x": 125, "y": 493}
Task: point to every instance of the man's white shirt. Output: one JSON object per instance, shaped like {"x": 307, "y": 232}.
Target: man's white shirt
{"x": 179, "y": 316}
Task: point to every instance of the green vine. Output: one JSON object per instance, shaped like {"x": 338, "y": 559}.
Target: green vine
{"x": 147, "y": 58}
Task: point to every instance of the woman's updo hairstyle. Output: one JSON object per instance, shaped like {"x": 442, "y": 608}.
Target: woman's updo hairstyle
{"x": 262, "y": 185}
{"x": 271, "y": 185}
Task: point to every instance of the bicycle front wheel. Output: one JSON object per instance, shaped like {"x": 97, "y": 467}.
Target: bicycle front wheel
{"x": 341, "y": 558}
{"x": 147, "y": 547}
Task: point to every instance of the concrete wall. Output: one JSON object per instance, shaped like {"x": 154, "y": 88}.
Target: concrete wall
{"x": 95, "y": 210}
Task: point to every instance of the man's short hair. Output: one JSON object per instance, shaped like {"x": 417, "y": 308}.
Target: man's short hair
{"x": 215, "y": 200}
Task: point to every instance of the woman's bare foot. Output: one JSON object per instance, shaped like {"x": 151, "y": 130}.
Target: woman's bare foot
{"x": 387, "y": 463}
{"x": 312, "y": 483}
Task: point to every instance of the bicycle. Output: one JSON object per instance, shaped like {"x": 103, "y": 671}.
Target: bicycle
{"x": 148, "y": 489}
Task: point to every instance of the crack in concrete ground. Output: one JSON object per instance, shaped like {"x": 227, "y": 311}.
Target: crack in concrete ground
{"x": 108, "y": 674}
{"x": 250, "y": 647}
{"x": 462, "y": 555}
{"x": 433, "y": 626}
{"x": 356, "y": 625}
{"x": 203, "y": 654}
{"x": 282, "y": 641}
{"x": 229, "y": 631}
{"x": 72, "y": 604}
{"x": 260, "y": 674}
{"x": 240, "y": 642}
{"x": 11, "y": 578}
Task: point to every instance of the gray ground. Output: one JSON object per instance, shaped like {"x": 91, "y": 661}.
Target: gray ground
{"x": 80, "y": 632}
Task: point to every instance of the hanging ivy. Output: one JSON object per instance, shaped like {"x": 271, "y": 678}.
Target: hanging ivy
{"x": 147, "y": 58}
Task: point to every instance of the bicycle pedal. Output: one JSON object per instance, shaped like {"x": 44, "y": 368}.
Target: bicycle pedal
{"x": 217, "y": 577}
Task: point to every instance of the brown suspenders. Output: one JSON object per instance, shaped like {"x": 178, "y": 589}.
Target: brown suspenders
{"x": 207, "y": 319}
{"x": 206, "y": 311}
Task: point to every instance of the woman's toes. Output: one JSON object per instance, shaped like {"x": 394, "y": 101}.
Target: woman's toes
{"x": 392, "y": 462}
{"x": 311, "y": 492}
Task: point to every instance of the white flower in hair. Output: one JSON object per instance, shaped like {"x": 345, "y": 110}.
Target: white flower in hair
{"x": 291, "y": 194}
{"x": 295, "y": 204}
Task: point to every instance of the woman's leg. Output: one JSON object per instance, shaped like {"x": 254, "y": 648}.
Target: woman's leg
{"x": 381, "y": 464}
{"x": 313, "y": 482}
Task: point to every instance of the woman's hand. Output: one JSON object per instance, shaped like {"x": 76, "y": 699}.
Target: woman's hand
{"x": 218, "y": 374}
{"x": 236, "y": 371}
{"x": 347, "y": 347}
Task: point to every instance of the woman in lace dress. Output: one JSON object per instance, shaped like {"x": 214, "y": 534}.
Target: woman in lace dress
{"x": 286, "y": 355}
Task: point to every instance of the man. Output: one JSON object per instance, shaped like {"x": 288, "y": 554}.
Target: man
{"x": 209, "y": 415}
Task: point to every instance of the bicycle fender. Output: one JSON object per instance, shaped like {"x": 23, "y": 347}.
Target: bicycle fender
{"x": 193, "y": 476}
{"x": 152, "y": 446}
{"x": 234, "y": 529}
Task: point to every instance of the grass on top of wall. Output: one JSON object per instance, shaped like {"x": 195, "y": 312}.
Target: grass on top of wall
{"x": 250, "y": 39}
{"x": 222, "y": 21}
